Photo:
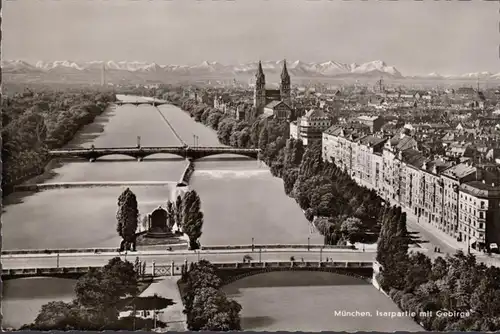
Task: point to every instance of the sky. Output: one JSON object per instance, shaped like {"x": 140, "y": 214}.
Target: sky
{"x": 417, "y": 37}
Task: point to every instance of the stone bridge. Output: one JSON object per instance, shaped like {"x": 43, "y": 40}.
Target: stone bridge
{"x": 228, "y": 271}
{"x": 138, "y": 103}
{"x": 140, "y": 153}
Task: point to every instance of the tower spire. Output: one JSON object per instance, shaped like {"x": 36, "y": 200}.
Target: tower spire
{"x": 260, "y": 77}
{"x": 284, "y": 72}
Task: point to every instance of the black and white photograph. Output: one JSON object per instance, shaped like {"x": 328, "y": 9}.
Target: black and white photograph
{"x": 250, "y": 165}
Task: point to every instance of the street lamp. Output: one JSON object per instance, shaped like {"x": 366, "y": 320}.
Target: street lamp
{"x": 57, "y": 260}
{"x": 252, "y": 245}
{"x": 260, "y": 255}
{"x": 308, "y": 243}
{"x": 194, "y": 140}
{"x": 321, "y": 255}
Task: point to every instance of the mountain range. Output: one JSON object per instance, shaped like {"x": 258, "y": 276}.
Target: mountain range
{"x": 124, "y": 70}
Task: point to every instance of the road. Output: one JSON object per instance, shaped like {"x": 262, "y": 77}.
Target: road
{"x": 164, "y": 258}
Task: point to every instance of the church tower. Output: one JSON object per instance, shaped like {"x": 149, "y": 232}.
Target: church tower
{"x": 285, "y": 89}
{"x": 259, "y": 96}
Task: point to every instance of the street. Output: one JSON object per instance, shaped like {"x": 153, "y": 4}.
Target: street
{"x": 90, "y": 260}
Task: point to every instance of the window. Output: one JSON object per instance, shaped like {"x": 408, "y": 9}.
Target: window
{"x": 481, "y": 214}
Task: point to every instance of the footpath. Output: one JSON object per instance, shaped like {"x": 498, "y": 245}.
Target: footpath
{"x": 172, "y": 315}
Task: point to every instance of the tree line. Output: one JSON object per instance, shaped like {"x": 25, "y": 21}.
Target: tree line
{"x": 342, "y": 210}
{"x": 465, "y": 292}
{"x": 35, "y": 122}
{"x": 207, "y": 308}
{"x": 185, "y": 212}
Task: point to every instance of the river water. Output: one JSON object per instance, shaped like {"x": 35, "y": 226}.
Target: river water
{"x": 240, "y": 198}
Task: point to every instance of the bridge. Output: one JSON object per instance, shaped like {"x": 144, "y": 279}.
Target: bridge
{"x": 228, "y": 271}
{"x": 138, "y": 103}
{"x": 19, "y": 264}
{"x": 140, "y": 153}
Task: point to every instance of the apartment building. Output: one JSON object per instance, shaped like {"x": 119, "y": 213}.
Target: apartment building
{"x": 452, "y": 178}
{"x": 433, "y": 192}
{"x": 339, "y": 142}
{"x": 392, "y": 172}
{"x": 479, "y": 215}
{"x": 367, "y": 167}
{"x": 436, "y": 191}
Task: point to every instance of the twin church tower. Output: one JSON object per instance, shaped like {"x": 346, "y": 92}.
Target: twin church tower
{"x": 262, "y": 96}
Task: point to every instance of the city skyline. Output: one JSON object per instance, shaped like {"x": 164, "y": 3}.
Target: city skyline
{"x": 403, "y": 34}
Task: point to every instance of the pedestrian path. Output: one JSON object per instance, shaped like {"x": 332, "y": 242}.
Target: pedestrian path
{"x": 172, "y": 315}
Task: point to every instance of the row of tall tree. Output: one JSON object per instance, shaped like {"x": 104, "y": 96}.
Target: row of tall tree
{"x": 34, "y": 122}
{"x": 207, "y": 308}
{"x": 468, "y": 292}
{"x": 97, "y": 303}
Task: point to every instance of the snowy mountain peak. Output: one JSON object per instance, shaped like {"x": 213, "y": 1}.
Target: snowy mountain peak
{"x": 330, "y": 68}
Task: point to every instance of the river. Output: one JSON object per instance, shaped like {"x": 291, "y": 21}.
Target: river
{"x": 240, "y": 198}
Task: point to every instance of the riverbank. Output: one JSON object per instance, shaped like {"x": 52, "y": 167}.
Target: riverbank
{"x": 50, "y": 121}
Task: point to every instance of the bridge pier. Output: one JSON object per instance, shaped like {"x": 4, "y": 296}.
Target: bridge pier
{"x": 91, "y": 159}
{"x": 139, "y": 159}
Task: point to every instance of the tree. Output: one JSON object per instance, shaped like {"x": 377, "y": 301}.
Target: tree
{"x": 178, "y": 212}
{"x": 127, "y": 218}
{"x": 102, "y": 288}
{"x": 206, "y": 307}
{"x": 351, "y": 229}
{"x": 170, "y": 214}
{"x": 192, "y": 218}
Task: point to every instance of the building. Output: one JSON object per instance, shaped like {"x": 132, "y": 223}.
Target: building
{"x": 433, "y": 192}
{"x": 338, "y": 144}
{"x": 310, "y": 127}
{"x": 375, "y": 123}
{"x": 368, "y": 161}
{"x": 263, "y": 96}
{"x": 392, "y": 167}
{"x": 479, "y": 215}
{"x": 278, "y": 110}
{"x": 452, "y": 178}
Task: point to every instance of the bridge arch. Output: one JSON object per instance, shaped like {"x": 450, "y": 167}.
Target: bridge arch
{"x": 231, "y": 276}
{"x": 161, "y": 155}
{"x": 201, "y": 155}
{"x": 115, "y": 157}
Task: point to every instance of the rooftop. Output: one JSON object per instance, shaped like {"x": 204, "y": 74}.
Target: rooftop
{"x": 459, "y": 171}
{"x": 481, "y": 189}
{"x": 371, "y": 140}
{"x": 273, "y": 104}
{"x": 368, "y": 118}
{"x": 315, "y": 113}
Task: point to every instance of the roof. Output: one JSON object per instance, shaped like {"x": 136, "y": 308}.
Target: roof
{"x": 480, "y": 189}
{"x": 439, "y": 164}
{"x": 345, "y": 131}
{"x": 371, "y": 140}
{"x": 402, "y": 142}
{"x": 368, "y": 118}
{"x": 315, "y": 113}
{"x": 274, "y": 104}
{"x": 413, "y": 158}
{"x": 459, "y": 171}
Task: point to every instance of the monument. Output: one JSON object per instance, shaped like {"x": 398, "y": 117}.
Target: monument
{"x": 159, "y": 223}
